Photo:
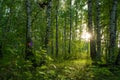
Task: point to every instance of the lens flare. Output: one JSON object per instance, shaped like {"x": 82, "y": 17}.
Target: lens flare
{"x": 86, "y": 36}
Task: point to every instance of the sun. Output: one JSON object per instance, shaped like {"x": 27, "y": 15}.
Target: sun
{"x": 86, "y": 36}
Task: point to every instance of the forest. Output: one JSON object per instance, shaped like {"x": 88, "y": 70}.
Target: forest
{"x": 59, "y": 40}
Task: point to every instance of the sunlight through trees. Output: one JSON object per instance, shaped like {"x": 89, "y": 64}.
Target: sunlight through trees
{"x": 59, "y": 40}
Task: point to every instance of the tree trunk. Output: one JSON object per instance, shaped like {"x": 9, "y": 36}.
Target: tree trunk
{"x": 57, "y": 3}
{"x": 90, "y": 29}
{"x": 70, "y": 38}
{"x": 65, "y": 36}
{"x": 1, "y": 33}
{"x": 98, "y": 30}
{"x": 52, "y": 32}
{"x": 47, "y": 36}
{"x": 28, "y": 31}
{"x": 112, "y": 29}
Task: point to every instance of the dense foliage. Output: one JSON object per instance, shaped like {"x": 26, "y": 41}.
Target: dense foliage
{"x": 59, "y": 40}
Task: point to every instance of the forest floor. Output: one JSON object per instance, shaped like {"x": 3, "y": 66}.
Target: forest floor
{"x": 74, "y": 69}
{"x": 83, "y": 70}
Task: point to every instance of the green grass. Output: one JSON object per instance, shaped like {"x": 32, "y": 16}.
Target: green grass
{"x": 83, "y": 70}
{"x": 73, "y": 69}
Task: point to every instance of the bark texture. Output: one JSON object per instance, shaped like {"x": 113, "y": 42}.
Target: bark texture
{"x": 112, "y": 29}
{"x": 98, "y": 29}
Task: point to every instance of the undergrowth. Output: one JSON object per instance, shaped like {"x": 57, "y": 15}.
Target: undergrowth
{"x": 73, "y": 69}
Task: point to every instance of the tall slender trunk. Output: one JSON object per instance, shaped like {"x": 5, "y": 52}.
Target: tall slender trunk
{"x": 57, "y": 3}
{"x": 28, "y": 31}
{"x": 98, "y": 29}
{"x": 65, "y": 35}
{"x": 1, "y": 35}
{"x": 52, "y": 31}
{"x": 90, "y": 29}
{"x": 76, "y": 18}
{"x": 70, "y": 38}
{"x": 47, "y": 35}
{"x": 112, "y": 29}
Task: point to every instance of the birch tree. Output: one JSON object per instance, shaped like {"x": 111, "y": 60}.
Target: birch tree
{"x": 112, "y": 31}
